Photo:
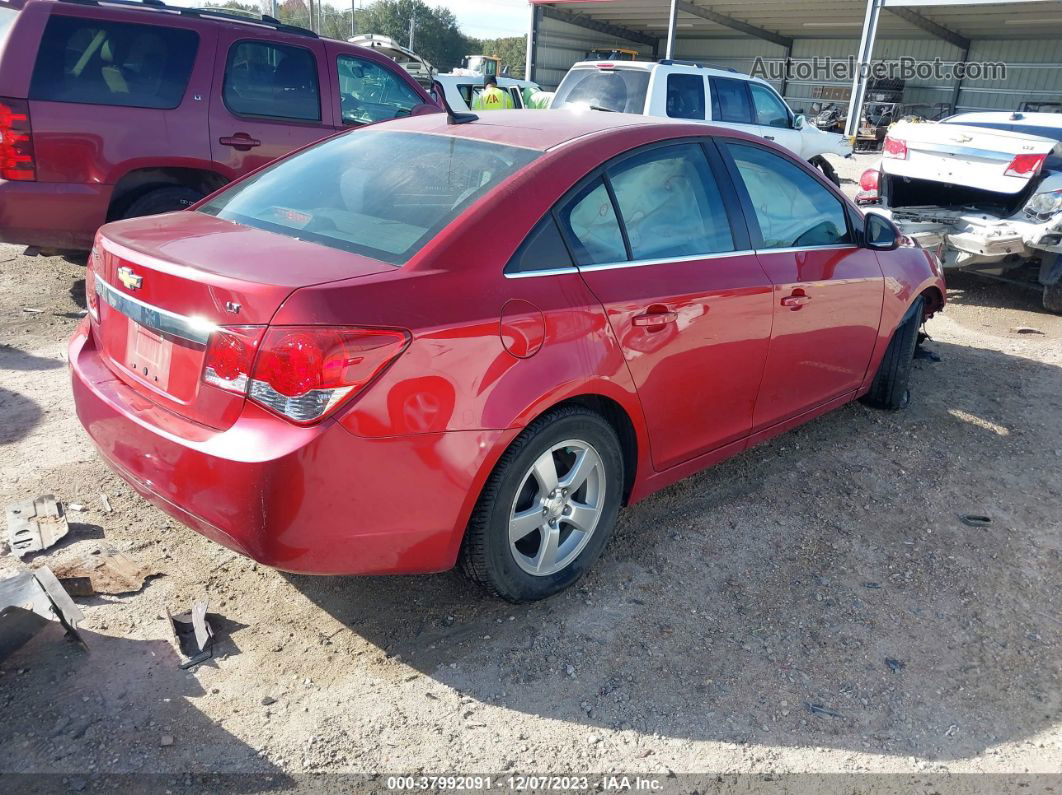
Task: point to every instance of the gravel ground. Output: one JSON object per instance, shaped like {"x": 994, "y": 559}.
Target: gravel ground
{"x": 812, "y": 605}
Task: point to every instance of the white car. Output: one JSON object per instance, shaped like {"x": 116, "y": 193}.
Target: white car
{"x": 982, "y": 189}
{"x": 461, "y": 90}
{"x": 685, "y": 90}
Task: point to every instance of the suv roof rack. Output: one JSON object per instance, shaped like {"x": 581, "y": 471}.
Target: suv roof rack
{"x": 220, "y": 14}
{"x": 698, "y": 64}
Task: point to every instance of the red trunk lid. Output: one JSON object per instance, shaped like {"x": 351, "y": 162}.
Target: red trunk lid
{"x": 166, "y": 282}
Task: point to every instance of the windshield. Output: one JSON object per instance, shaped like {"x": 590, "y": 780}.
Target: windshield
{"x": 381, "y": 194}
{"x": 621, "y": 90}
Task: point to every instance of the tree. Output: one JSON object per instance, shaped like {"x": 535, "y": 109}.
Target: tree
{"x": 437, "y": 37}
{"x": 512, "y": 50}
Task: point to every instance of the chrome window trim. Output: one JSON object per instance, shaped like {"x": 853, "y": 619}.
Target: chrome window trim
{"x": 957, "y": 151}
{"x": 640, "y": 263}
{"x": 163, "y": 321}
{"x": 544, "y": 272}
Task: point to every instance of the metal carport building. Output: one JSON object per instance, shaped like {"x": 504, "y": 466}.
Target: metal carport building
{"x": 1025, "y": 36}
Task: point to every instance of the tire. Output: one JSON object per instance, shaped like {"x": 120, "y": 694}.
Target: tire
{"x": 507, "y": 568}
{"x": 889, "y": 389}
{"x": 823, "y": 165}
{"x": 162, "y": 200}
{"x": 1053, "y": 297}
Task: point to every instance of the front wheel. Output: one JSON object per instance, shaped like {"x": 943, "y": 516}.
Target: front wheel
{"x": 823, "y": 165}
{"x": 548, "y": 509}
{"x": 890, "y": 388}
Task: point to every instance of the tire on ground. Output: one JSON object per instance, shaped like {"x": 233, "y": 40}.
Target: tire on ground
{"x": 162, "y": 200}
{"x": 486, "y": 557}
{"x": 889, "y": 389}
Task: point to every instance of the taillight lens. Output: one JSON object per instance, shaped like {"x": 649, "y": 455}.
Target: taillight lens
{"x": 92, "y": 299}
{"x": 868, "y": 180}
{"x": 305, "y": 372}
{"x": 16, "y": 141}
{"x": 895, "y": 148}
{"x": 1025, "y": 165}
{"x": 230, "y": 357}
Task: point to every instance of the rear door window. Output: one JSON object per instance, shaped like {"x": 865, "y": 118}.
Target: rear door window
{"x": 369, "y": 92}
{"x": 113, "y": 63}
{"x": 272, "y": 80}
{"x": 542, "y": 250}
{"x": 685, "y": 96}
{"x": 793, "y": 209}
{"x": 730, "y": 100}
{"x": 670, "y": 204}
{"x": 619, "y": 90}
{"x": 589, "y": 220}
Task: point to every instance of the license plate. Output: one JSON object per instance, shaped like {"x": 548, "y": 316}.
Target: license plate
{"x": 149, "y": 355}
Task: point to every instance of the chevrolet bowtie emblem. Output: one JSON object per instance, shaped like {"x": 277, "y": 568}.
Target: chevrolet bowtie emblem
{"x": 132, "y": 281}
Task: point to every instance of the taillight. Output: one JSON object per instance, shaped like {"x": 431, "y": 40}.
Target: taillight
{"x": 894, "y": 147}
{"x": 230, "y": 357}
{"x": 303, "y": 373}
{"x": 869, "y": 179}
{"x": 16, "y": 141}
{"x": 92, "y": 299}
{"x": 1025, "y": 165}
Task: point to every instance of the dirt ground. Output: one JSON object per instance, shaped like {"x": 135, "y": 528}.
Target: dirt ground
{"x": 814, "y": 605}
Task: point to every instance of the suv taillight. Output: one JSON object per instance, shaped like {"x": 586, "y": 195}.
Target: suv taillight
{"x": 16, "y": 141}
{"x": 299, "y": 372}
{"x": 1025, "y": 165}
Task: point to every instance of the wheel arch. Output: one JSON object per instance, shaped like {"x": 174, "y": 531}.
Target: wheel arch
{"x": 138, "y": 181}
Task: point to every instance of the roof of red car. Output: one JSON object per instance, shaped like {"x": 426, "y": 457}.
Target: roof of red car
{"x": 533, "y": 129}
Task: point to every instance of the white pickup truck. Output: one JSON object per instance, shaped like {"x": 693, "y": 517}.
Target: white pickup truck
{"x": 984, "y": 190}
{"x": 685, "y": 90}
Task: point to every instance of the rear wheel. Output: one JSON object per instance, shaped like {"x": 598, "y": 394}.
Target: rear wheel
{"x": 890, "y": 389}
{"x": 548, "y": 509}
{"x": 162, "y": 200}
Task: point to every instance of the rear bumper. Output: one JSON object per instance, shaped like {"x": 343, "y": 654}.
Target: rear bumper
{"x": 52, "y": 215}
{"x": 316, "y": 500}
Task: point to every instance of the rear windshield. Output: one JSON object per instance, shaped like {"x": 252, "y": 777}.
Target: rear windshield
{"x": 620, "y": 90}
{"x": 381, "y": 194}
{"x": 113, "y": 63}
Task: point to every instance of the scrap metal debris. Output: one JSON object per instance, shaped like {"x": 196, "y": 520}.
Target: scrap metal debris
{"x": 192, "y": 634}
{"x": 29, "y": 600}
{"x": 818, "y": 709}
{"x": 895, "y": 665}
{"x": 103, "y": 572}
{"x": 34, "y": 525}
{"x": 975, "y": 520}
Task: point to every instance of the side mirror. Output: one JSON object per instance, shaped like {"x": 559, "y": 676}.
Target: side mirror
{"x": 879, "y": 233}
{"x": 798, "y": 121}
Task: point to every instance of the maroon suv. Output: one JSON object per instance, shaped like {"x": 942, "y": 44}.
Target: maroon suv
{"x": 112, "y": 110}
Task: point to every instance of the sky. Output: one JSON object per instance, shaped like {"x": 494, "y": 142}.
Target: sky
{"x": 484, "y": 19}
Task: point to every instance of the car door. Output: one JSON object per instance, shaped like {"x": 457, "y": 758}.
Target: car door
{"x": 686, "y": 299}
{"x": 368, "y": 91}
{"x": 828, "y": 290}
{"x": 774, "y": 119}
{"x": 270, "y": 97}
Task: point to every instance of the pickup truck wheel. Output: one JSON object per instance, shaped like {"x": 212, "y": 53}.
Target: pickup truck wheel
{"x": 162, "y": 200}
{"x": 823, "y": 165}
{"x": 548, "y": 508}
{"x": 889, "y": 389}
{"x": 1053, "y": 297}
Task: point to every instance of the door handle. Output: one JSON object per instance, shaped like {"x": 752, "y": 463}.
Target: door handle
{"x": 240, "y": 141}
{"x": 795, "y": 301}
{"x": 654, "y": 319}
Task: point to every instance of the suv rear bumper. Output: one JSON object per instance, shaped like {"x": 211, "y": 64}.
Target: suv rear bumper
{"x": 52, "y": 214}
{"x": 316, "y": 500}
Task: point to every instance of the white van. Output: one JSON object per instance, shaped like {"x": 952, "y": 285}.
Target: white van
{"x": 686, "y": 90}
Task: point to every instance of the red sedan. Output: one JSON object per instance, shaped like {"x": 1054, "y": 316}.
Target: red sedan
{"x": 427, "y": 343}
